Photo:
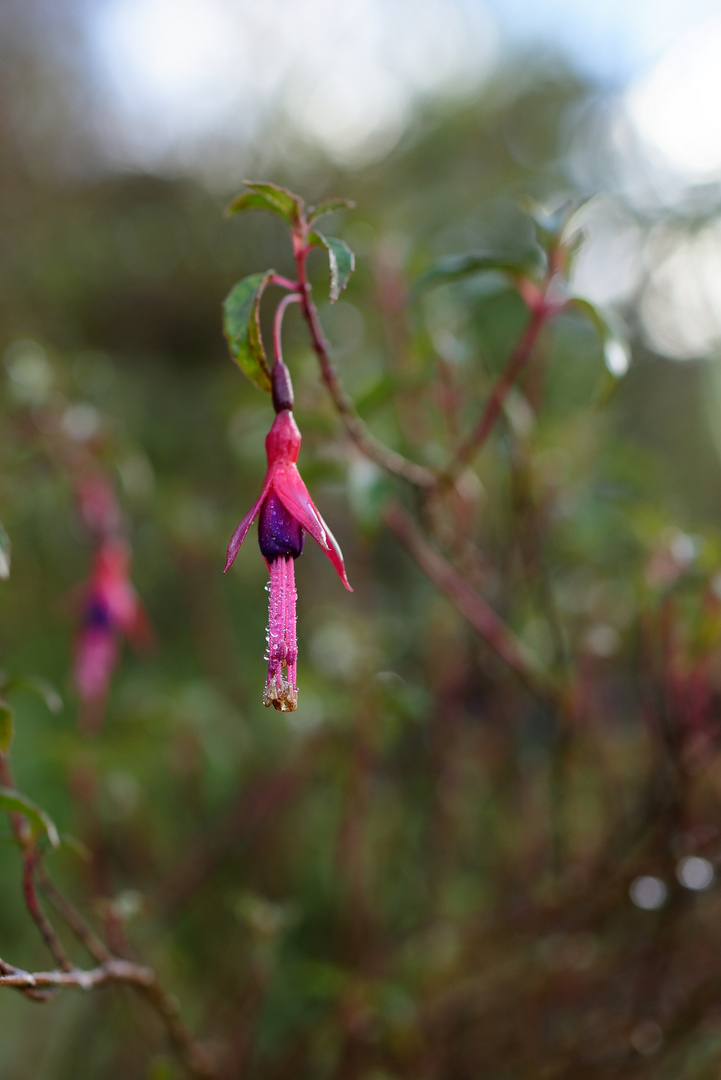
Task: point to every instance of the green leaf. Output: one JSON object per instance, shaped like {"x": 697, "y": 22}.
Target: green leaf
{"x": 35, "y": 685}
{"x": 267, "y": 196}
{"x": 4, "y": 554}
{"x": 527, "y": 260}
{"x": 241, "y": 322}
{"x": 341, "y": 259}
{"x": 15, "y": 803}
{"x": 6, "y": 727}
{"x": 550, "y": 223}
{"x": 328, "y": 207}
{"x": 616, "y": 353}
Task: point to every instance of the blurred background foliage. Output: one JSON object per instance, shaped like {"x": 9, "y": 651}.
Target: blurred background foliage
{"x": 419, "y": 873}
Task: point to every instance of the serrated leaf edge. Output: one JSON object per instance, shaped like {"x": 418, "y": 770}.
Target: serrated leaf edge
{"x": 317, "y": 239}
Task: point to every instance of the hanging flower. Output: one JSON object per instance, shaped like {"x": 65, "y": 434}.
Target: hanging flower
{"x": 110, "y": 610}
{"x": 285, "y": 512}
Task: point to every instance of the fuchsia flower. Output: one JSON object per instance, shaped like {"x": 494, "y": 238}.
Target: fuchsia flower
{"x": 110, "y": 610}
{"x": 286, "y": 512}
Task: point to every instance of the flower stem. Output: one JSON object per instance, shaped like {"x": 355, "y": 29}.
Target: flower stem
{"x": 387, "y": 459}
{"x": 291, "y": 298}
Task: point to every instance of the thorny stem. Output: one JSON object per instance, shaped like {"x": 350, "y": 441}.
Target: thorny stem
{"x": 387, "y": 459}
{"x": 291, "y": 298}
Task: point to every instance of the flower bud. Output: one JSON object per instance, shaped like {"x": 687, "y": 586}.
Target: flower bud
{"x": 281, "y": 386}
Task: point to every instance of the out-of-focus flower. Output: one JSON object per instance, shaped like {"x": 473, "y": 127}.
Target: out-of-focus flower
{"x": 110, "y": 611}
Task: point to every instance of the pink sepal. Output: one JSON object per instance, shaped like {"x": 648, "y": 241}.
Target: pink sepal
{"x": 335, "y": 555}
{"x": 242, "y": 531}
{"x": 293, "y": 493}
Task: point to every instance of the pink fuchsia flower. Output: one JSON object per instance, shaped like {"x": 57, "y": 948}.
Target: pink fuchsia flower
{"x": 110, "y": 610}
{"x": 286, "y": 512}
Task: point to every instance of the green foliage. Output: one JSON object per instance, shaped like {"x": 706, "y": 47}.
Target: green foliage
{"x": 265, "y": 196}
{"x": 426, "y": 868}
{"x": 241, "y": 313}
{"x": 15, "y": 803}
{"x": 457, "y": 267}
{"x": 328, "y": 206}
{"x": 340, "y": 258}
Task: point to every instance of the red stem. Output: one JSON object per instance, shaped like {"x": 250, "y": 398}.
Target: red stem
{"x": 382, "y": 455}
{"x": 517, "y": 361}
{"x": 480, "y": 615}
{"x": 284, "y": 282}
{"x": 291, "y": 298}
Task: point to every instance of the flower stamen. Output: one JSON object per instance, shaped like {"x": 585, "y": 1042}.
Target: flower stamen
{"x": 281, "y": 689}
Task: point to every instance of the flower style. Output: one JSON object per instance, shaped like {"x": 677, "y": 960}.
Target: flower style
{"x": 110, "y": 609}
{"x": 286, "y": 512}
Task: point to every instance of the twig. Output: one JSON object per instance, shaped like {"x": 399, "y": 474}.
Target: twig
{"x": 82, "y": 930}
{"x": 141, "y": 978}
{"x": 382, "y": 455}
{"x": 516, "y": 363}
{"x": 31, "y": 858}
{"x": 481, "y": 616}
{"x": 111, "y": 971}
{"x": 47, "y": 931}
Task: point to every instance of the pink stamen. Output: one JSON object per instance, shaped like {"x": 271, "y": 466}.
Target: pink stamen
{"x": 280, "y": 690}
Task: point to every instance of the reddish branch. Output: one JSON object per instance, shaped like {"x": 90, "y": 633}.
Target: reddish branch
{"x": 494, "y": 405}
{"x": 41, "y": 985}
{"x": 382, "y": 455}
{"x": 491, "y": 628}
{"x": 142, "y": 979}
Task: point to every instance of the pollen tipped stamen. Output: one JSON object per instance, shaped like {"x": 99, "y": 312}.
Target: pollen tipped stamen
{"x": 280, "y": 689}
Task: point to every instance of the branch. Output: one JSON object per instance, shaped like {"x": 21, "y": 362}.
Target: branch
{"x": 382, "y": 455}
{"x": 481, "y": 616}
{"x": 516, "y": 363}
{"x": 143, "y": 979}
{"x": 82, "y": 930}
{"x": 47, "y": 930}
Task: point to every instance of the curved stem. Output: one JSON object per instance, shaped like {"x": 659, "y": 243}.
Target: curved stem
{"x": 284, "y": 282}
{"x": 499, "y": 637}
{"x": 516, "y": 363}
{"x": 291, "y": 298}
{"x": 142, "y": 979}
{"x": 382, "y": 455}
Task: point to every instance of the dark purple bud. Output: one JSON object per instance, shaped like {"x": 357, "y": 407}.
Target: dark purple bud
{"x": 278, "y": 531}
{"x": 282, "y": 387}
